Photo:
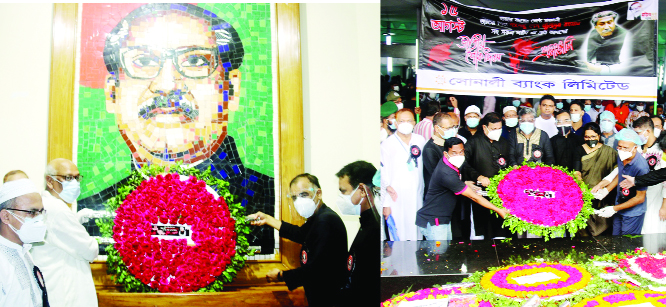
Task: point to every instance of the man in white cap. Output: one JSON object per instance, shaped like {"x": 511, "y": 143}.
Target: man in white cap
{"x": 68, "y": 249}
{"x": 510, "y": 120}
{"x": 472, "y": 118}
{"x": 21, "y": 214}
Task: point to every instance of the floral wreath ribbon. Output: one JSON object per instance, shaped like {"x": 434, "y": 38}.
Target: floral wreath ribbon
{"x": 415, "y": 153}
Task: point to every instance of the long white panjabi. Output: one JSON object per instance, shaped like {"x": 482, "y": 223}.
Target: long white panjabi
{"x": 406, "y": 179}
{"x": 18, "y": 285}
{"x": 64, "y": 257}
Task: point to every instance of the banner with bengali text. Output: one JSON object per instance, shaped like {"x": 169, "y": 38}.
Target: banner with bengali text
{"x": 603, "y": 50}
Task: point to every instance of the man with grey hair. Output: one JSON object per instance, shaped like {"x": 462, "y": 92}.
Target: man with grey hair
{"x": 607, "y": 48}
{"x": 529, "y": 143}
{"x": 21, "y": 214}
{"x": 68, "y": 249}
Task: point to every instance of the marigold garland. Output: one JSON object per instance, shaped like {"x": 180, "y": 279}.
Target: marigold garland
{"x": 543, "y": 200}
{"x": 144, "y": 263}
{"x": 571, "y": 278}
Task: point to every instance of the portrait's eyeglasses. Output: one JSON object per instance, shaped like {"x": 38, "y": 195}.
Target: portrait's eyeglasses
{"x": 70, "y": 178}
{"x": 141, "y": 62}
{"x": 31, "y": 213}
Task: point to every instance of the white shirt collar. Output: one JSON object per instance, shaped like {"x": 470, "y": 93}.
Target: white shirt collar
{"x": 22, "y": 249}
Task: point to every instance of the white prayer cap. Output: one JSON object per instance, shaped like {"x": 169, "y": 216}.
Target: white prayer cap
{"x": 16, "y": 188}
{"x": 473, "y": 109}
{"x": 509, "y": 108}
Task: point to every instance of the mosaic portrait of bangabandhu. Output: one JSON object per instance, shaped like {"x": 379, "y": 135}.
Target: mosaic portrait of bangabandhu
{"x": 162, "y": 83}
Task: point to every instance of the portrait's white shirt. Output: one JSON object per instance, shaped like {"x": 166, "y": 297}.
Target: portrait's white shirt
{"x": 64, "y": 257}
{"x": 18, "y": 286}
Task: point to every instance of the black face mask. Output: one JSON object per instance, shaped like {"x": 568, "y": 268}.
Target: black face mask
{"x": 592, "y": 143}
{"x": 564, "y": 130}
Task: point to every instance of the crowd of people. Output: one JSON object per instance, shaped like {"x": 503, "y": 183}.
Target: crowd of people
{"x": 437, "y": 158}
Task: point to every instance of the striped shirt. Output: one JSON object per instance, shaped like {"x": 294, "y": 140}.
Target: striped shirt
{"x": 424, "y": 128}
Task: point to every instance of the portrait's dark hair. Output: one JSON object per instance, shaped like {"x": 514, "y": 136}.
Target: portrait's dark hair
{"x": 307, "y": 176}
{"x": 450, "y": 142}
{"x": 439, "y": 116}
{"x": 431, "y": 107}
{"x": 544, "y": 97}
{"x": 490, "y": 118}
{"x": 603, "y": 14}
{"x": 577, "y": 102}
{"x": 643, "y": 122}
{"x": 358, "y": 172}
{"x": 592, "y": 126}
{"x": 229, "y": 45}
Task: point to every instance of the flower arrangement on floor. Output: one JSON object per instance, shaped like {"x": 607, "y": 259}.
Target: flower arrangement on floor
{"x": 648, "y": 270}
{"x": 173, "y": 233}
{"x": 626, "y": 298}
{"x": 434, "y": 294}
{"x": 549, "y": 280}
{"x": 543, "y": 200}
{"x": 571, "y": 276}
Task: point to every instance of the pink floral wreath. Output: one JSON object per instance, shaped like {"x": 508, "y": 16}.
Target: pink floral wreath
{"x": 543, "y": 200}
{"x": 173, "y": 265}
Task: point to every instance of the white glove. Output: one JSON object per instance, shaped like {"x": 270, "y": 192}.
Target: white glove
{"x": 601, "y": 194}
{"x": 84, "y": 215}
{"x": 605, "y": 212}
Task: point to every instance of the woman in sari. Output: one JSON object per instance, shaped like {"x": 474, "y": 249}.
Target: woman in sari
{"x": 594, "y": 161}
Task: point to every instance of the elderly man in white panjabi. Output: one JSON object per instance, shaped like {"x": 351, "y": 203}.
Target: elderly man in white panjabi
{"x": 68, "y": 249}
{"x": 21, "y": 225}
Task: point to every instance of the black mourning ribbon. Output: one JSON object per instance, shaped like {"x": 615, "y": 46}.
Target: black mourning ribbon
{"x": 415, "y": 153}
{"x": 42, "y": 285}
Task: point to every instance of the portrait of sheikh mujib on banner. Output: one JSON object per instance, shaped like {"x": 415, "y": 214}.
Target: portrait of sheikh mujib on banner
{"x": 605, "y": 50}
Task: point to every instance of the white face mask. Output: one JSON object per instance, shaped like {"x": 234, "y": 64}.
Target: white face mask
{"x": 495, "y": 134}
{"x": 70, "y": 190}
{"x": 348, "y": 198}
{"x": 306, "y": 206}
{"x": 396, "y": 88}
{"x": 405, "y": 128}
{"x": 33, "y": 229}
{"x": 399, "y": 106}
{"x": 575, "y": 117}
{"x": 624, "y": 155}
{"x": 457, "y": 161}
{"x": 526, "y": 127}
{"x": 643, "y": 137}
{"x": 472, "y": 122}
{"x": 606, "y": 126}
{"x": 640, "y": 108}
{"x": 657, "y": 132}
{"x": 511, "y": 122}
{"x": 618, "y": 102}
{"x": 392, "y": 124}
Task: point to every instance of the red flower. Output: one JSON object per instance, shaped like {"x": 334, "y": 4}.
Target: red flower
{"x": 172, "y": 265}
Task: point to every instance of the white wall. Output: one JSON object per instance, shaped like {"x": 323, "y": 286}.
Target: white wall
{"x": 24, "y": 83}
{"x": 340, "y": 53}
